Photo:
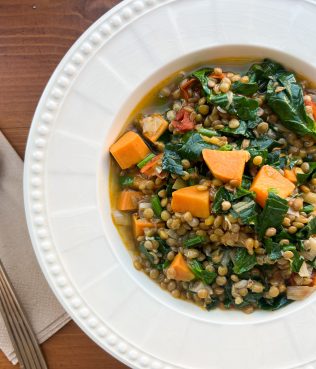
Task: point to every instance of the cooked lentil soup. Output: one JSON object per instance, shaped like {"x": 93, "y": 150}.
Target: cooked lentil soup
{"x": 214, "y": 187}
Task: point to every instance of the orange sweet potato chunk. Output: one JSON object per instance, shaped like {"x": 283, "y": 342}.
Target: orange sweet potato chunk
{"x": 269, "y": 178}
{"x": 129, "y": 150}
{"x": 153, "y": 126}
{"x": 290, "y": 175}
{"x": 192, "y": 200}
{"x": 139, "y": 225}
{"x": 226, "y": 165}
{"x": 182, "y": 271}
{"x": 128, "y": 200}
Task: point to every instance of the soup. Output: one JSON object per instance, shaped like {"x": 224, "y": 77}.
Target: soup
{"x": 213, "y": 186}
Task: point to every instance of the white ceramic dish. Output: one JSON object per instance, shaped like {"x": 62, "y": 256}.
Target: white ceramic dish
{"x": 84, "y": 106}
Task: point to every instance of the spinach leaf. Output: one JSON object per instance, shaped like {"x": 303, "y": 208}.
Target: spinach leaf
{"x": 202, "y": 76}
{"x": 244, "y": 107}
{"x": 274, "y": 304}
{"x": 205, "y": 276}
{"x": 192, "y": 146}
{"x": 289, "y": 105}
{"x": 273, "y": 213}
{"x": 171, "y": 162}
{"x": 253, "y": 151}
{"x": 246, "y": 210}
{"x": 246, "y": 89}
{"x": 305, "y": 177}
{"x": 273, "y": 249}
{"x": 308, "y": 230}
{"x": 243, "y": 261}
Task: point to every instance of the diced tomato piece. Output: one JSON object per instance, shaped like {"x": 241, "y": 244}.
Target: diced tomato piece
{"x": 184, "y": 87}
{"x": 217, "y": 76}
{"x": 183, "y": 123}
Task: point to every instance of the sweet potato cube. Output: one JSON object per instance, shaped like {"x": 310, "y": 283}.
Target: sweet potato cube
{"x": 226, "y": 165}
{"x": 267, "y": 179}
{"x": 192, "y": 200}
{"x": 181, "y": 269}
{"x": 128, "y": 200}
{"x": 153, "y": 126}
{"x": 129, "y": 150}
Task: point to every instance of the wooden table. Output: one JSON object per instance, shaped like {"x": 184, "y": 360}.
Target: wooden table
{"x": 34, "y": 36}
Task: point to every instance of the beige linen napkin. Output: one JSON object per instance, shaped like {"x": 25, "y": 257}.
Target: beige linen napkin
{"x": 44, "y": 312}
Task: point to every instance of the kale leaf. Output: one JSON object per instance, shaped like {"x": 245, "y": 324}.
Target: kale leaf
{"x": 202, "y": 76}
{"x": 224, "y": 195}
{"x": 243, "y": 261}
{"x": 273, "y": 213}
{"x": 171, "y": 162}
{"x": 192, "y": 146}
{"x": 205, "y": 276}
{"x": 304, "y": 177}
{"x": 246, "y": 210}
{"x": 244, "y": 107}
{"x": 273, "y": 304}
{"x": 289, "y": 105}
{"x": 246, "y": 89}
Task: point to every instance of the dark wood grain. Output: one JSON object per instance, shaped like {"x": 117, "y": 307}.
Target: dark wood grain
{"x": 34, "y": 36}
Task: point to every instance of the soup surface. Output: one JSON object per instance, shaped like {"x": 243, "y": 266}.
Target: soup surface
{"x": 213, "y": 186}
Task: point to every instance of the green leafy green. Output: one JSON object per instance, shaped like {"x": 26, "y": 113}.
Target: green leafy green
{"x": 308, "y": 230}
{"x": 242, "y": 130}
{"x": 126, "y": 181}
{"x": 273, "y": 213}
{"x": 202, "y": 76}
{"x": 192, "y": 146}
{"x": 305, "y": 177}
{"x": 288, "y": 104}
{"x": 274, "y": 304}
{"x": 224, "y": 195}
{"x": 246, "y": 210}
{"x": 243, "y": 261}
{"x": 193, "y": 241}
{"x": 244, "y": 107}
{"x": 205, "y": 276}
{"x": 148, "y": 255}
{"x": 308, "y": 208}
{"x": 213, "y": 304}
{"x": 262, "y": 72}
{"x": 171, "y": 162}
{"x": 275, "y": 159}
{"x": 246, "y": 89}
{"x": 273, "y": 249}
{"x": 263, "y": 143}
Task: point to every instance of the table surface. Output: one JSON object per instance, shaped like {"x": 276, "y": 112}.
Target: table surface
{"x": 34, "y": 36}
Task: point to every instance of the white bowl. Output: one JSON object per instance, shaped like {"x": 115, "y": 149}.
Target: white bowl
{"x": 83, "y": 109}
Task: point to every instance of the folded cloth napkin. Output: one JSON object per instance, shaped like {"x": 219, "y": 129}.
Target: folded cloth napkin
{"x": 41, "y": 307}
